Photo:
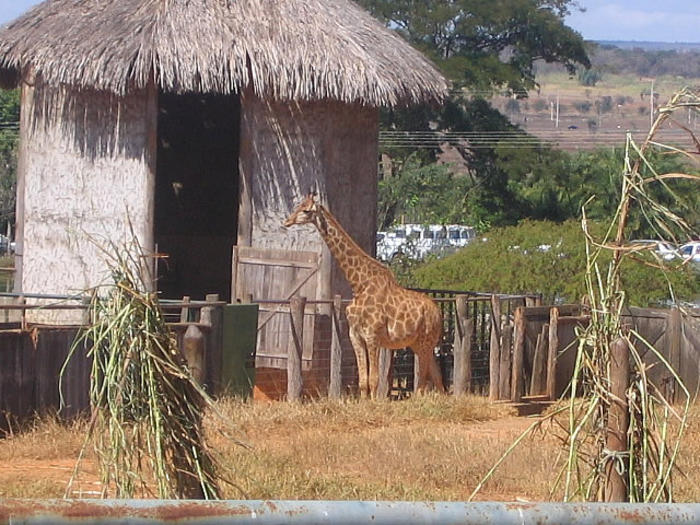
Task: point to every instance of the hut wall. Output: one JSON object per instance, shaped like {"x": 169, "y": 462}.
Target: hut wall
{"x": 87, "y": 174}
{"x": 289, "y": 149}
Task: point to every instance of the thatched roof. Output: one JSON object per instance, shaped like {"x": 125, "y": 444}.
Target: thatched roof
{"x": 288, "y": 49}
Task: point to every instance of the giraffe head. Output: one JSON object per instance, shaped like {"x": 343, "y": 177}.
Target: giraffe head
{"x": 304, "y": 213}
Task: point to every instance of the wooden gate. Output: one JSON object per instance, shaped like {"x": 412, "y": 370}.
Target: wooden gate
{"x": 271, "y": 277}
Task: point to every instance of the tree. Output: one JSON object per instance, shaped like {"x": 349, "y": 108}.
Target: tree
{"x": 506, "y": 185}
{"x": 9, "y": 117}
{"x": 482, "y": 45}
{"x": 479, "y": 46}
{"x": 420, "y": 193}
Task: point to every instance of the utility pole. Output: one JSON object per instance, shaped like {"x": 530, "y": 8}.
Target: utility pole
{"x": 557, "y": 124}
{"x": 651, "y": 105}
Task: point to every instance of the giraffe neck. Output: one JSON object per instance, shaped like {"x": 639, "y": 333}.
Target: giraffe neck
{"x": 359, "y": 267}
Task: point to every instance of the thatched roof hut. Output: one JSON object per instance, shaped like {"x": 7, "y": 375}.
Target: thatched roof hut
{"x": 288, "y": 50}
{"x": 204, "y": 121}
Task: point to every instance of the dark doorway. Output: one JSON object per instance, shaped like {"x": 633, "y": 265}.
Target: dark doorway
{"x": 196, "y": 201}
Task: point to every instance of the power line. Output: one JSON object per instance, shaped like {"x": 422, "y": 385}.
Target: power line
{"x": 490, "y": 139}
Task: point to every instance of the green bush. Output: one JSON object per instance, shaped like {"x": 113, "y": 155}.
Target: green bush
{"x": 547, "y": 258}
{"x": 589, "y": 77}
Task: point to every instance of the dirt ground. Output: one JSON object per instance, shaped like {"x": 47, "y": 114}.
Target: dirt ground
{"x": 436, "y": 448}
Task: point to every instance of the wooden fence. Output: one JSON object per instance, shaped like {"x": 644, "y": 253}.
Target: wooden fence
{"x": 504, "y": 346}
{"x": 544, "y": 348}
{"x": 32, "y": 357}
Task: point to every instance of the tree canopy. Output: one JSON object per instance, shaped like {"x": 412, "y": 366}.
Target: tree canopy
{"x": 507, "y": 185}
{"x": 481, "y": 44}
{"x": 9, "y": 118}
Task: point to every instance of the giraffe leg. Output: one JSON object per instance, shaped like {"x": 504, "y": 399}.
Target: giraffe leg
{"x": 435, "y": 375}
{"x": 360, "y": 348}
{"x": 390, "y": 372}
{"x": 373, "y": 357}
{"x": 423, "y": 370}
{"x": 428, "y": 368}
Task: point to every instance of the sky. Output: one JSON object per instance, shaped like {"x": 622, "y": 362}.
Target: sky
{"x": 639, "y": 20}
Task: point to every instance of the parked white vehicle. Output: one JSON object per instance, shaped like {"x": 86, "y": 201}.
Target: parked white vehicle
{"x": 690, "y": 250}
{"x": 665, "y": 250}
{"x": 418, "y": 240}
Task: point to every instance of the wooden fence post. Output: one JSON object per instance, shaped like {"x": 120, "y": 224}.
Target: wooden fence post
{"x": 335, "y": 384}
{"x": 85, "y": 301}
{"x": 495, "y": 349}
{"x": 618, "y": 423}
{"x": 185, "y": 310}
{"x": 234, "y": 275}
{"x": 464, "y": 328}
{"x": 539, "y": 361}
{"x": 416, "y": 372}
{"x": 506, "y": 362}
{"x": 194, "y": 350}
{"x": 553, "y": 349}
{"x": 22, "y": 301}
{"x": 517, "y": 379}
{"x": 297, "y": 305}
{"x": 212, "y": 316}
{"x": 673, "y": 336}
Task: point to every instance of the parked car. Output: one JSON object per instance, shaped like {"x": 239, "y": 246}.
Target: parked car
{"x": 418, "y": 240}
{"x": 664, "y": 249}
{"x": 690, "y": 250}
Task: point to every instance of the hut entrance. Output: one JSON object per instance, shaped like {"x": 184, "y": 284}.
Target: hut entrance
{"x": 196, "y": 200}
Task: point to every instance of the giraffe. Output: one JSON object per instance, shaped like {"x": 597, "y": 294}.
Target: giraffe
{"x": 382, "y": 314}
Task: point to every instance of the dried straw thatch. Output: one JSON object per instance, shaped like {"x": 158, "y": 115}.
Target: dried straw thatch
{"x": 287, "y": 49}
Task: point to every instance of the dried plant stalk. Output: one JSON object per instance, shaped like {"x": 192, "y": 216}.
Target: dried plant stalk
{"x": 147, "y": 410}
{"x": 649, "y": 458}
{"x": 656, "y": 426}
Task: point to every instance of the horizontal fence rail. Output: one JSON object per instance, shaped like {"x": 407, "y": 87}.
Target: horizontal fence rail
{"x": 339, "y": 512}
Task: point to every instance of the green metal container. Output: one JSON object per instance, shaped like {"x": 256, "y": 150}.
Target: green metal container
{"x": 240, "y": 333}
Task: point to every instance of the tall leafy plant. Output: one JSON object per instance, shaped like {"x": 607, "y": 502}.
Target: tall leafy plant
{"x": 146, "y": 426}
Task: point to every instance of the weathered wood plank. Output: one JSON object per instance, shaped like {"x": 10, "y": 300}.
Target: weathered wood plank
{"x": 553, "y": 349}
{"x": 538, "y": 364}
{"x": 336, "y": 378}
{"x": 495, "y": 349}
{"x": 294, "y": 378}
{"x": 506, "y": 359}
{"x": 464, "y": 329}
{"x": 518, "y": 376}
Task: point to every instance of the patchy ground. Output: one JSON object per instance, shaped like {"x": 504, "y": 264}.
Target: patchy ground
{"x": 431, "y": 448}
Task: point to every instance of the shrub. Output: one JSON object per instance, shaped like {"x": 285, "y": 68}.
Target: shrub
{"x": 583, "y": 107}
{"x": 547, "y": 258}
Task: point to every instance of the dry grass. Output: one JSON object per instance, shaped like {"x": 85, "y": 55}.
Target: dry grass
{"x": 429, "y": 448}
{"x": 37, "y": 460}
{"x": 44, "y": 438}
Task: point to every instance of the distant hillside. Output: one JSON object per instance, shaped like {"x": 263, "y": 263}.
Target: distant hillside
{"x": 651, "y": 46}
{"x": 619, "y": 58}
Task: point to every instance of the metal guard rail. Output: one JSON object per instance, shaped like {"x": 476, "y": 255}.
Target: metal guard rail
{"x": 17, "y": 511}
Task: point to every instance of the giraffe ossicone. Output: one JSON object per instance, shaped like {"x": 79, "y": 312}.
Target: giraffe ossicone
{"x": 382, "y": 314}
